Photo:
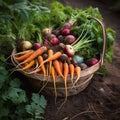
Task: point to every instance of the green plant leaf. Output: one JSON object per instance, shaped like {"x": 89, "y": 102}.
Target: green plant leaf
{"x": 36, "y": 106}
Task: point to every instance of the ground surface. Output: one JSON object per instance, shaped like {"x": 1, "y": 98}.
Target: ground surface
{"x": 101, "y": 99}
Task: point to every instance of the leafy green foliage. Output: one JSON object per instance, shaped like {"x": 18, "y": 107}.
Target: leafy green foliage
{"x": 36, "y": 107}
{"x": 19, "y": 20}
{"x": 14, "y": 102}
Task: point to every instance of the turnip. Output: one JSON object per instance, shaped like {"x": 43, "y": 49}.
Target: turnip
{"x": 25, "y": 45}
{"x": 91, "y": 61}
{"x": 69, "y": 39}
{"x": 36, "y": 46}
{"x": 69, "y": 50}
{"x": 65, "y": 31}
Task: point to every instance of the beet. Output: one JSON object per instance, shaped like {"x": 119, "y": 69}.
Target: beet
{"x": 91, "y": 61}
{"x": 69, "y": 39}
{"x": 65, "y": 31}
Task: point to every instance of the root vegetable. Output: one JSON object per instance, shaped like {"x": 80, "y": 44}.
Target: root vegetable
{"x": 69, "y": 50}
{"x": 36, "y": 46}
{"x": 69, "y": 39}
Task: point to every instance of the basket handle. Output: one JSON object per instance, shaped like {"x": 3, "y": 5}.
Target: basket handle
{"x": 104, "y": 39}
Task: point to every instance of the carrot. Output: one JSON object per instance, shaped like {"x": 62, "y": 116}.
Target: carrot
{"x": 66, "y": 71}
{"x": 78, "y": 73}
{"x": 71, "y": 69}
{"x": 22, "y": 53}
{"x": 61, "y": 66}
{"x": 28, "y": 66}
{"x": 40, "y": 60}
{"x": 54, "y": 81}
{"x": 24, "y": 56}
{"x": 35, "y": 54}
{"x": 53, "y": 57}
{"x": 35, "y": 71}
{"x": 50, "y": 54}
{"x": 57, "y": 68}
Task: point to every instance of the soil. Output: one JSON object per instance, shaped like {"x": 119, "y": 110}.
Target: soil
{"x": 101, "y": 99}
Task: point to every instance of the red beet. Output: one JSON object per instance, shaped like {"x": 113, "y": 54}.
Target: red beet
{"x": 69, "y": 39}
{"x": 54, "y": 41}
{"x": 65, "y": 31}
{"x": 36, "y": 46}
{"x": 92, "y": 61}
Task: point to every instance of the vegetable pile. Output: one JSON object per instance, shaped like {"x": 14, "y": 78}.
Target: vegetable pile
{"x": 57, "y": 52}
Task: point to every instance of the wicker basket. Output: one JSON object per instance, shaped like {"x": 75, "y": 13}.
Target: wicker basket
{"x": 38, "y": 80}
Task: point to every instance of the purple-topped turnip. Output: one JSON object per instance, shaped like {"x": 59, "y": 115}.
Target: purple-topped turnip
{"x": 69, "y": 50}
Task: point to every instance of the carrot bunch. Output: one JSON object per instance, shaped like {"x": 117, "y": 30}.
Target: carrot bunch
{"x": 32, "y": 61}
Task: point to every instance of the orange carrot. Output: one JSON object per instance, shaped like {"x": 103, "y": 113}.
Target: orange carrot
{"x": 66, "y": 71}
{"x": 35, "y": 54}
{"x": 71, "y": 69}
{"x": 61, "y": 66}
{"x": 28, "y": 66}
{"x": 40, "y": 60}
{"x": 78, "y": 73}
{"x": 50, "y": 54}
{"x": 24, "y": 56}
{"x": 53, "y": 57}
{"x": 22, "y": 53}
{"x": 54, "y": 81}
{"x": 57, "y": 68}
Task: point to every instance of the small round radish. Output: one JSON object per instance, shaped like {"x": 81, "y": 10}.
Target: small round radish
{"x": 54, "y": 41}
{"x": 69, "y": 39}
{"x": 65, "y": 31}
{"x": 36, "y": 46}
{"x": 69, "y": 50}
{"x": 92, "y": 61}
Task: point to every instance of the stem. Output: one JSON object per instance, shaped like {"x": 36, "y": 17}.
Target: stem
{"x": 83, "y": 30}
{"x": 84, "y": 43}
